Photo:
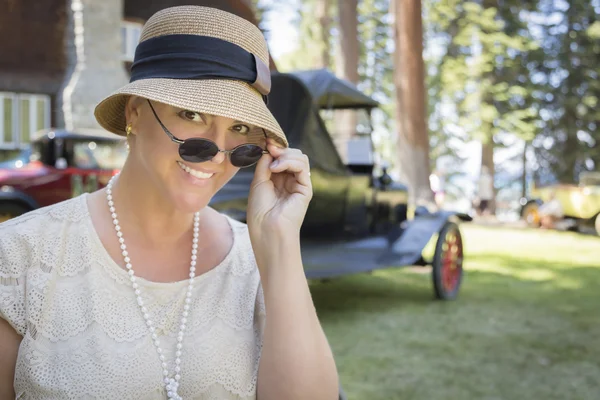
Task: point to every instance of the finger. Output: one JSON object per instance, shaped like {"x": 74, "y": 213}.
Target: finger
{"x": 297, "y": 156}
{"x": 262, "y": 171}
{"x": 275, "y": 151}
{"x": 298, "y": 167}
{"x": 278, "y": 151}
{"x": 290, "y": 156}
{"x": 274, "y": 142}
{"x": 288, "y": 164}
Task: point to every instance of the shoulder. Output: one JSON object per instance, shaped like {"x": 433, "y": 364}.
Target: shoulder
{"x": 237, "y": 227}
{"x": 35, "y": 249}
{"x": 23, "y": 238}
{"x": 223, "y": 225}
{"x": 239, "y": 232}
{"x": 71, "y": 210}
{"x": 240, "y": 262}
{"x": 225, "y": 220}
{"x": 244, "y": 273}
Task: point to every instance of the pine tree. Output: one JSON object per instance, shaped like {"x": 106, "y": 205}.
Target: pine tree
{"x": 481, "y": 92}
{"x": 314, "y": 22}
{"x": 569, "y": 75}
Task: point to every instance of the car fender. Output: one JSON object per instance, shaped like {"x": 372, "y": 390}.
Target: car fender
{"x": 8, "y": 193}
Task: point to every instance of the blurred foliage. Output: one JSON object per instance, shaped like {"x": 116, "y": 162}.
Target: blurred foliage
{"x": 567, "y": 74}
{"x": 376, "y": 71}
{"x": 518, "y": 69}
{"x": 308, "y": 53}
{"x": 503, "y": 71}
{"x": 477, "y": 78}
{"x": 259, "y": 11}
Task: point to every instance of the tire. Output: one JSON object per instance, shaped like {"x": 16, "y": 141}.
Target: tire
{"x": 401, "y": 213}
{"x": 531, "y": 215}
{"x": 9, "y": 210}
{"x": 447, "y": 265}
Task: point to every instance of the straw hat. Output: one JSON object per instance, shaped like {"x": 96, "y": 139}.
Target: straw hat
{"x": 200, "y": 59}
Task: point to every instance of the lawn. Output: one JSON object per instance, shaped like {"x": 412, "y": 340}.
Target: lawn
{"x": 525, "y": 326}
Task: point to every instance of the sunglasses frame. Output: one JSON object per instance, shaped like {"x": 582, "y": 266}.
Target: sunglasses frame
{"x": 180, "y": 142}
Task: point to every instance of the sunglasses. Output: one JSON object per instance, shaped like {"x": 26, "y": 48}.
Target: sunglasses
{"x": 197, "y": 150}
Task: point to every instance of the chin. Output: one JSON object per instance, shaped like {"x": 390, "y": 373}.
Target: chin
{"x": 190, "y": 201}
{"x": 190, "y": 194}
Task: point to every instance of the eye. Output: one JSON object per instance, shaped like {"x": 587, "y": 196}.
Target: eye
{"x": 243, "y": 129}
{"x": 191, "y": 116}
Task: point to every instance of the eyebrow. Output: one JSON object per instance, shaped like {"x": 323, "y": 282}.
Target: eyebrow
{"x": 206, "y": 116}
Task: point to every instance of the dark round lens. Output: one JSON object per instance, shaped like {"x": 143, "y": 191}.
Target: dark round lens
{"x": 246, "y": 155}
{"x": 198, "y": 150}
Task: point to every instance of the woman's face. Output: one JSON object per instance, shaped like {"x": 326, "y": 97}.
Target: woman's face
{"x": 188, "y": 186}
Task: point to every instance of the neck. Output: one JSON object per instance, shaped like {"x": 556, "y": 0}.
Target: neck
{"x": 142, "y": 208}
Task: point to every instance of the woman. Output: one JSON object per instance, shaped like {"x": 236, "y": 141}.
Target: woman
{"x": 141, "y": 290}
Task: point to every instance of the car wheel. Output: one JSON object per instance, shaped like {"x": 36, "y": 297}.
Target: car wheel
{"x": 447, "y": 266}
{"x": 9, "y": 210}
{"x": 401, "y": 213}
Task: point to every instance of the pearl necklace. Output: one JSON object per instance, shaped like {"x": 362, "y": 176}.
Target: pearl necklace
{"x": 171, "y": 383}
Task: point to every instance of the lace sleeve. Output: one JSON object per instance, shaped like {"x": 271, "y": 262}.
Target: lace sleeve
{"x": 14, "y": 261}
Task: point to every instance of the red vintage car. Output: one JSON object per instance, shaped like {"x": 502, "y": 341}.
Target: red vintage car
{"x": 57, "y": 165}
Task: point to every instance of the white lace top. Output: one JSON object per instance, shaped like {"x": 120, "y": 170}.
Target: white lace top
{"x": 83, "y": 334}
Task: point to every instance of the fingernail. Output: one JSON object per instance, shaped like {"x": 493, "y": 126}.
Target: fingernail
{"x": 274, "y": 163}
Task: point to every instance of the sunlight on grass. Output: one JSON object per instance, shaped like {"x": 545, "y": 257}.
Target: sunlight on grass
{"x": 497, "y": 269}
{"x": 531, "y": 274}
{"x": 525, "y": 325}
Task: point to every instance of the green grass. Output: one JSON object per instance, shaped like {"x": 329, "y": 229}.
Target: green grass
{"x": 526, "y": 324}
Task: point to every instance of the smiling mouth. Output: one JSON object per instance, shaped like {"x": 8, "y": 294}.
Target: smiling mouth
{"x": 193, "y": 172}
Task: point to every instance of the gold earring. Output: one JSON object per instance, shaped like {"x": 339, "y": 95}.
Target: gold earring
{"x": 128, "y": 132}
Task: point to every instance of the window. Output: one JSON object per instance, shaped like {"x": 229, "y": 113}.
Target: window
{"x": 130, "y": 36}
{"x": 22, "y": 115}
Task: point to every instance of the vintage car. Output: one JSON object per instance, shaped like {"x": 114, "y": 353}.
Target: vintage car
{"x": 580, "y": 203}
{"x": 357, "y": 221}
{"x": 56, "y": 166}
{"x": 348, "y": 200}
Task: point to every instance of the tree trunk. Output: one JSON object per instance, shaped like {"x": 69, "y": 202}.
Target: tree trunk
{"x": 324, "y": 20}
{"x": 409, "y": 81}
{"x": 524, "y": 173}
{"x": 487, "y": 160}
{"x": 347, "y": 68}
{"x": 487, "y": 145}
{"x": 348, "y": 62}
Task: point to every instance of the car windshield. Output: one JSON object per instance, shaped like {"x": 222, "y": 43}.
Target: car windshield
{"x": 351, "y": 131}
{"x": 347, "y": 122}
{"x": 99, "y": 155}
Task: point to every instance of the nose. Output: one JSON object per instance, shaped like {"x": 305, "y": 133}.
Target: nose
{"x": 219, "y": 158}
{"x": 219, "y": 136}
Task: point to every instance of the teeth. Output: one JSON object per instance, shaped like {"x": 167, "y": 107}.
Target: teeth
{"x": 194, "y": 173}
